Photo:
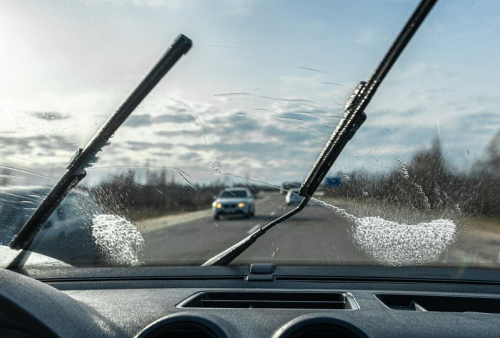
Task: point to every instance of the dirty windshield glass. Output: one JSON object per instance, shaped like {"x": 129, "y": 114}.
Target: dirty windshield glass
{"x": 234, "y": 193}
{"x": 251, "y": 106}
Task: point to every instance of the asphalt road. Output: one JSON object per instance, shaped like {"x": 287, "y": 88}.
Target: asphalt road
{"x": 315, "y": 235}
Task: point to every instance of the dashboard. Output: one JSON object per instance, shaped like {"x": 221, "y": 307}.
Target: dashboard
{"x": 222, "y": 302}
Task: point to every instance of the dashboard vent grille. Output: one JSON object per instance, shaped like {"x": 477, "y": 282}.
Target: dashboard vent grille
{"x": 181, "y": 330}
{"x": 440, "y": 303}
{"x": 323, "y": 331}
{"x": 271, "y": 300}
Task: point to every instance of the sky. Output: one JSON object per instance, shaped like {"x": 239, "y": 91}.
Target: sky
{"x": 259, "y": 93}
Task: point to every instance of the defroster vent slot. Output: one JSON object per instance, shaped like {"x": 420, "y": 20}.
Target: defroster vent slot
{"x": 440, "y": 303}
{"x": 271, "y": 300}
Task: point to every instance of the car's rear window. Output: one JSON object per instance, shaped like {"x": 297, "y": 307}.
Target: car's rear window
{"x": 233, "y": 193}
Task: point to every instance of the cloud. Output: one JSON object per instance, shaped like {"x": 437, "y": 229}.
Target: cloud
{"x": 171, "y": 4}
{"x": 299, "y": 116}
{"x": 231, "y": 6}
{"x": 14, "y": 141}
{"x": 189, "y": 156}
{"x": 51, "y": 116}
{"x": 278, "y": 143}
{"x": 138, "y": 146}
{"x": 134, "y": 121}
{"x": 25, "y": 144}
{"x": 177, "y": 133}
{"x": 173, "y": 119}
{"x": 162, "y": 153}
{"x": 146, "y": 120}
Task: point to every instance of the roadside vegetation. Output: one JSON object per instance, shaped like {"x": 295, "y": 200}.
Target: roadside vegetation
{"x": 426, "y": 184}
{"x": 429, "y": 183}
{"x": 160, "y": 194}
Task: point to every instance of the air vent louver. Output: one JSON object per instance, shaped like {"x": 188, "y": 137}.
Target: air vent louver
{"x": 440, "y": 303}
{"x": 323, "y": 331}
{"x": 182, "y": 330}
{"x": 271, "y": 300}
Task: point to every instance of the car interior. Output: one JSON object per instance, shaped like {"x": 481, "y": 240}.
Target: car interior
{"x": 308, "y": 269}
{"x": 260, "y": 300}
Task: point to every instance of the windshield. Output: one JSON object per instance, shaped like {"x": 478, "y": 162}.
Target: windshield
{"x": 233, "y": 194}
{"x": 251, "y": 106}
{"x": 77, "y": 205}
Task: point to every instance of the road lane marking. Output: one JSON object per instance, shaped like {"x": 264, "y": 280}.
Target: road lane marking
{"x": 255, "y": 227}
{"x": 154, "y": 224}
{"x": 151, "y": 225}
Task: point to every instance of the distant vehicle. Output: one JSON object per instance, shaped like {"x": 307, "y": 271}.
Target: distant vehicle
{"x": 285, "y": 186}
{"x": 67, "y": 234}
{"x": 234, "y": 201}
{"x": 292, "y": 197}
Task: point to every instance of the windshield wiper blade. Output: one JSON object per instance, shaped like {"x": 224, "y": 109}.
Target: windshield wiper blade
{"x": 86, "y": 157}
{"x": 359, "y": 100}
{"x": 347, "y": 127}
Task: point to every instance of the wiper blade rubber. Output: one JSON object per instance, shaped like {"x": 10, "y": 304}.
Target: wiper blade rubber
{"x": 86, "y": 157}
{"x": 347, "y": 127}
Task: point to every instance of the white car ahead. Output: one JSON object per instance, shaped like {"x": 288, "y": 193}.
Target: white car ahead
{"x": 292, "y": 197}
{"x": 234, "y": 201}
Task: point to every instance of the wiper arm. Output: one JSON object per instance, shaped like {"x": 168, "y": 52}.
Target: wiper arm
{"x": 359, "y": 100}
{"x": 353, "y": 118}
{"x": 86, "y": 157}
{"x": 227, "y": 256}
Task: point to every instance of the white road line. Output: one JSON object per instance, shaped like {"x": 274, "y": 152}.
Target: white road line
{"x": 255, "y": 227}
{"x": 153, "y": 224}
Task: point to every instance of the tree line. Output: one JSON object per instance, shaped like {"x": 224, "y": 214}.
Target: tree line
{"x": 428, "y": 181}
{"x": 157, "y": 195}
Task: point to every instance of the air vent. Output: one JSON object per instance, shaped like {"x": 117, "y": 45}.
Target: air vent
{"x": 440, "y": 303}
{"x": 271, "y": 300}
{"x": 323, "y": 331}
{"x": 181, "y": 330}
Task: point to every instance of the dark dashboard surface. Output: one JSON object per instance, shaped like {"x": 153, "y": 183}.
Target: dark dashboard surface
{"x": 124, "y": 302}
